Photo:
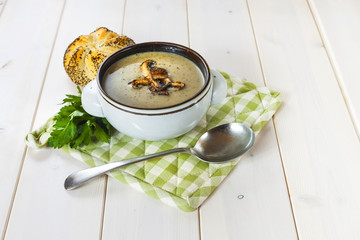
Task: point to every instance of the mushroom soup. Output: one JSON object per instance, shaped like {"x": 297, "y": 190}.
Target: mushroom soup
{"x": 153, "y": 80}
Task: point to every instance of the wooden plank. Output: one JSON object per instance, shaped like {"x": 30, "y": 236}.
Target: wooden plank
{"x": 24, "y": 54}
{"x": 129, "y": 214}
{"x": 42, "y": 208}
{"x": 319, "y": 146}
{"x": 338, "y": 23}
{"x": 158, "y": 20}
{"x": 246, "y": 203}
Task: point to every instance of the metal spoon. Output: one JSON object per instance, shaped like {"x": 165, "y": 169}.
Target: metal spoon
{"x": 220, "y": 144}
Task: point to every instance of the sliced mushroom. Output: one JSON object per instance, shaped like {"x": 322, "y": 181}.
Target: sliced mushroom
{"x": 156, "y": 78}
{"x": 138, "y": 83}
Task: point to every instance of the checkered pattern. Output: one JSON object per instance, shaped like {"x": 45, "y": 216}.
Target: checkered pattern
{"x": 180, "y": 180}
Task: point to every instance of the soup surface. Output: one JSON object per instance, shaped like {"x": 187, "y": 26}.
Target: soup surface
{"x": 117, "y": 78}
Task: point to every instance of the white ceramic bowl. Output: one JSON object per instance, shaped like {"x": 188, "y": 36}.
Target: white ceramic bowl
{"x": 154, "y": 123}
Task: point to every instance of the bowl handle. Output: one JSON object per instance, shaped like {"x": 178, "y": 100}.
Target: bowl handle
{"x": 90, "y": 100}
{"x": 219, "y": 89}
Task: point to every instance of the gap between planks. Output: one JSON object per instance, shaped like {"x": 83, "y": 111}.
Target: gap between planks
{"x": 3, "y": 4}
{"x": 273, "y": 119}
{"x": 199, "y": 222}
{"x": 102, "y": 220}
{"x": 31, "y": 125}
{"x": 334, "y": 66}
{"x": 187, "y": 21}
{"x": 188, "y": 38}
{"x": 123, "y": 20}
{"x": 103, "y": 208}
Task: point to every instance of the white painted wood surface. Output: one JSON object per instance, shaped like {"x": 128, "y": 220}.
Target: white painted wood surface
{"x": 126, "y": 209}
{"x": 308, "y": 50}
{"x": 42, "y": 207}
{"x": 338, "y": 23}
{"x": 24, "y": 55}
{"x": 318, "y": 143}
{"x": 245, "y": 201}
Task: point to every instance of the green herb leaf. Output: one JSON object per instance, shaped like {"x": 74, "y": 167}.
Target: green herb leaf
{"x": 76, "y": 127}
{"x": 101, "y": 134}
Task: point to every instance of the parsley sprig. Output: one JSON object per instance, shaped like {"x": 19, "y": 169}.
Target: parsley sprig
{"x": 76, "y": 127}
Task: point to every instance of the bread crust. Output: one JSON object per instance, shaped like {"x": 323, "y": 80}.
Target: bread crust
{"x": 85, "y": 54}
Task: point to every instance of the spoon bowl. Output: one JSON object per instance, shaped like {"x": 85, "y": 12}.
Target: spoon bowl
{"x": 224, "y": 143}
{"x": 220, "y": 144}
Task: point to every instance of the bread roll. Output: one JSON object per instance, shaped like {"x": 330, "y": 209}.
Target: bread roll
{"x": 85, "y": 54}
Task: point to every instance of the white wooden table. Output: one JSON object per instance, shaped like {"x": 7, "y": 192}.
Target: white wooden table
{"x": 301, "y": 179}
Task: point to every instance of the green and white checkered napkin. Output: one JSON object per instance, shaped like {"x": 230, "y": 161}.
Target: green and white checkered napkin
{"x": 180, "y": 180}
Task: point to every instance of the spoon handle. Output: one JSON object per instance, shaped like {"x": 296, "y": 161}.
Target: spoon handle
{"x": 78, "y": 178}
